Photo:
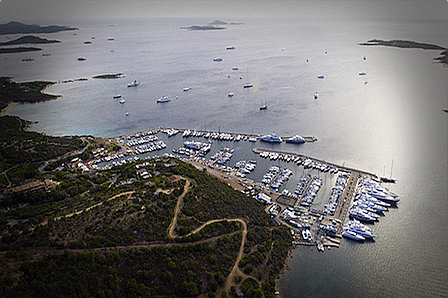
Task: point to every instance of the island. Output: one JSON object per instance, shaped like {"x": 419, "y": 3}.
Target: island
{"x": 219, "y": 22}
{"x": 407, "y": 44}
{"x": 109, "y": 76}
{"x": 19, "y": 28}
{"x": 19, "y": 50}
{"x": 203, "y": 27}
{"x": 28, "y": 39}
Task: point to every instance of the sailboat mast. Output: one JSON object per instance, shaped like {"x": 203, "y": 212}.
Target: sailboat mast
{"x": 391, "y": 168}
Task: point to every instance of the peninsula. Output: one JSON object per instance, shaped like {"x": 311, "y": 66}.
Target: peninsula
{"x": 407, "y": 44}
{"x": 18, "y": 28}
{"x": 23, "y": 92}
{"x": 27, "y": 40}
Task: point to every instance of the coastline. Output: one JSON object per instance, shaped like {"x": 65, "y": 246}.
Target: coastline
{"x": 11, "y": 104}
{"x": 5, "y": 110}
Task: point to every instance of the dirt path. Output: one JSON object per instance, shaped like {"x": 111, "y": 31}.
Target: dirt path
{"x": 177, "y": 210}
{"x": 231, "y": 276}
{"x": 129, "y": 193}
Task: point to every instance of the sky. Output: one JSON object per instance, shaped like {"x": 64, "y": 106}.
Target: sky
{"x": 44, "y": 12}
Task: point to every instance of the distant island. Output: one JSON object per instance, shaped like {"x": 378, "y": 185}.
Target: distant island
{"x": 407, "y": 44}
{"x": 219, "y": 22}
{"x": 75, "y": 80}
{"x": 28, "y": 39}
{"x": 109, "y": 76}
{"x": 215, "y": 25}
{"x": 18, "y": 50}
{"x": 203, "y": 27}
{"x": 17, "y": 27}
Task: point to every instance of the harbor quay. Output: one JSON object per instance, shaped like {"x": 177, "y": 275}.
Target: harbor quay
{"x": 222, "y": 135}
{"x": 350, "y": 199}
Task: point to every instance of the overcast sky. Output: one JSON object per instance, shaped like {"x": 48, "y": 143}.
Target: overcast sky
{"x": 65, "y": 11}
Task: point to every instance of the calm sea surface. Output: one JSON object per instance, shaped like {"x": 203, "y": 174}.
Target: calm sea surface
{"x": 396, "y": 116}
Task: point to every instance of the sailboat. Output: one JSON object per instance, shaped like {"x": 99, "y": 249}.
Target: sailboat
{"x": 390, "y": 179}
{"x": 263, "y": 106}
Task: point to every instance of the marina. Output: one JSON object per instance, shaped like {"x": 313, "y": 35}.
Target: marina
{"x": 356, "y": 198}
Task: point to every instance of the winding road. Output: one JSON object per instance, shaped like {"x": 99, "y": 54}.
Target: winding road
{"x": 230, "y": 277}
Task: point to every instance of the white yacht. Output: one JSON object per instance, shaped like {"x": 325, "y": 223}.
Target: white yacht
{"x": 117, "y": 96}
{"x": 163, "y": 99}
{"x": 295, "y": 139}
{"x": 353, "y": 235}
{"x": 271, "y": 138}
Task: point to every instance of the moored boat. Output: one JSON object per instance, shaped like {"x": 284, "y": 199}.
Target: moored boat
{"x": 295, "y": 140}
{"x": 272, "y": 138}
{"x": 163, "y": 99}
{"x": 352, "y": 235}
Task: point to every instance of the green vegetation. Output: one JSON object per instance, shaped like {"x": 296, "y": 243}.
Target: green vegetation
{"x": 23, "y": 92}
{"x": 24, "y": 150}
{"x": 66, "y": 230}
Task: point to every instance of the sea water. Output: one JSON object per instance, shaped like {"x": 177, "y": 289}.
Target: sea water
{"x": 391, "y": 115}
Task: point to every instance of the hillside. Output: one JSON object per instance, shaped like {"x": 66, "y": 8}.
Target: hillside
{"x": 115, "y": 233}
